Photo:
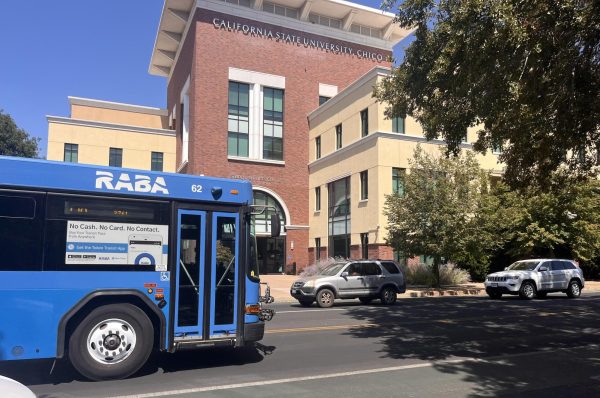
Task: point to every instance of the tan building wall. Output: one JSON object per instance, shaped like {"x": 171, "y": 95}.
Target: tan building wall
{"x": 378, "y": 153}
{"x": 96, "y": 126}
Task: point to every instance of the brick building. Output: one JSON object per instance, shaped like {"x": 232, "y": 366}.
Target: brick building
{"x": 242, "y": 78}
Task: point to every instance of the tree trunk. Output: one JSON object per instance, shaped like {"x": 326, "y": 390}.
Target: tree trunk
{"x": 436, "y": 271}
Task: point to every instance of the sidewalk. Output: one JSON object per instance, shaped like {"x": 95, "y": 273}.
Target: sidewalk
{"x": 280, "y": 289}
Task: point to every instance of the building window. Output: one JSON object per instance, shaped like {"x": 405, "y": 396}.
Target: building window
{"x": 318, "y": 147}
{"x": 157, "y": 161}
{"x": 280, "y": 10}
{"x": 262, "y": 221}
{"x": 323, "y": 99}
{"x": 185, "y": 121}
{"x": 364, "y": 185}
{"x": 398, "y": 181}
{"x": 272, "y": 123}
{"x": 364, "y": 122}
{"x": 365, "y": 30}
{"x": 339, "y": 218}
{"x": 115, "y": 157}
{"x": 325, "y": 21}
{"x": 238, "y": 119}
{"x": 364, "y": 243}
{"x": 338, "y": 136}
{"x": 398, "y": 125}
{"x": 71, "y": 153}
{"x": 243, "y": 3}
{"x": 318, "y": 199}
{"x": 317, "y": 249}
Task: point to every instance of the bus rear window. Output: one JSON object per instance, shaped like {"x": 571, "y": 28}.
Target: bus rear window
{"x": 17, "y": 207}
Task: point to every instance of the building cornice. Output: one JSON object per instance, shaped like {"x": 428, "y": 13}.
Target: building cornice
{"x": 356, "y": 85}
{"x": 169, "y": 58}
{"x": 109, "y": 126}
{"x": 118, "y": 106}
{"x": 340, "y": 153}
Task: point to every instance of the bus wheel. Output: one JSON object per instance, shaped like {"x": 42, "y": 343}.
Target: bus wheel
{"x": 112, "y": 342}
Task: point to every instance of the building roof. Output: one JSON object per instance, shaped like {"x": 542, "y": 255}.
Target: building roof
{"x": 353, "y": 22}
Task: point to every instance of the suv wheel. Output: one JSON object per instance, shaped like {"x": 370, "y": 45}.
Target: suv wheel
{"x": 527, "y": 290}
{"x": 388, "y": 295}
{"x": 365, "y": 300}
{"x": 325, "y": 298}
{"x": 574, "y": 290}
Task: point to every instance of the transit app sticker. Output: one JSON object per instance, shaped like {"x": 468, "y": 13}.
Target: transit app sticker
{"x": 117, "y": 244}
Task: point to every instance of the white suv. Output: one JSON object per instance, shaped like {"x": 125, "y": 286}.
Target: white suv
{"x": 536, "y": 278}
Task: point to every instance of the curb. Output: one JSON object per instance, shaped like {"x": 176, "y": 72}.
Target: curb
{"x": 416, "y": 294}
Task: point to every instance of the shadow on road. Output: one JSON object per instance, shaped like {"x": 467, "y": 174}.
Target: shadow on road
{"x": 38, "y": 372}
{"x": 497, "y": 334}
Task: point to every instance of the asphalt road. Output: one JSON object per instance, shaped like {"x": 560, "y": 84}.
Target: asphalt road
{"x": 431, "y": 347}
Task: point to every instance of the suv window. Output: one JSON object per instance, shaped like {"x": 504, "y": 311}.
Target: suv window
{"x": 390, "y": 267}
{"x": 372, "y": 269}
{"x": 557, "y": 266}
{"x": 355, "y": 269}
{"x": 568, "y": 265}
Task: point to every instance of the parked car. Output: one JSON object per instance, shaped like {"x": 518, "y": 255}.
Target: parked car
{"x": 536, "y": 278}
{"x": 366, "y": 280}
{"x": 13, "y": 389}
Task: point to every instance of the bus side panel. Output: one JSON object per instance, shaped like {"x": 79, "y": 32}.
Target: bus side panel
{"x": 252, "y": 293}
{"x": 33, "y": 303}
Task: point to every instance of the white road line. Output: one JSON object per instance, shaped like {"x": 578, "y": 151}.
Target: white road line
{"x": 328, "y": 309}
{"x": 343, "y": 374}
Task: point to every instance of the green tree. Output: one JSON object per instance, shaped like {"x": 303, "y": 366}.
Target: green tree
{"x": 15, "y": 141}
{"x": 438, "y": 214}
{"x": 526, "y": 73}
{"x": 563, "y": 222}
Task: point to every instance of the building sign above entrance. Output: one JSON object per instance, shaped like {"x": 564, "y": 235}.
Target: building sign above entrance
{"x": 298, "y": 40}
{"x": 253, "y": 179}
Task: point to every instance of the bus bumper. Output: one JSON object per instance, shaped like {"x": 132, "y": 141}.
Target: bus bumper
{"x": 254, "y": 331}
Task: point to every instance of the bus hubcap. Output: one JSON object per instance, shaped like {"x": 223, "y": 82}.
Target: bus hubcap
{"x": 111, "y": 341}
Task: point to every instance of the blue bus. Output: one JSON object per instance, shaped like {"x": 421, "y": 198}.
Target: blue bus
{"x": 104, "y": 265}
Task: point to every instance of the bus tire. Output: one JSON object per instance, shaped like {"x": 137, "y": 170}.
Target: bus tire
{"x": 112, "y": 342}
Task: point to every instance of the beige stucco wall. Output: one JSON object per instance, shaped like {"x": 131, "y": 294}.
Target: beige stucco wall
{"x": 378, "y": 153}
{"x": 116, "y": 116}
{"x": 95, "y": 143}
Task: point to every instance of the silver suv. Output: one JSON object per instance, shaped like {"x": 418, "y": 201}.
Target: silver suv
{"x": 536, "y": 278}
{"x": 363, "y": 279}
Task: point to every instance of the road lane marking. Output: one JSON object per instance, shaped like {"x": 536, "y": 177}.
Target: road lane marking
{"x": 329, "y": 309}
{"x": 196, "y": 390}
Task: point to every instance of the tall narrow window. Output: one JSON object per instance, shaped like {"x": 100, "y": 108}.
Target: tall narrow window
{"x": 71, "y": 153}
{"x": 318, "y": 147}
{"x": 157, "y": 161}
{"x": 272, "y": 123}
{"x": 115, "y": 157}
{"x": 339, "y": 218}
{"x": 364, "y": 185}
{"x": 364, "y": 242}
{"x": 318, "y": 199}
{"x": 185, "y": 122}
{"x": 338, "y": 136}
{"x": 364, "y": 122}
{"x": 238, "y": 120}
{"x": 398, "y": 125}
{"x": 398, "y": 181}
{"x": 318, "y": 248}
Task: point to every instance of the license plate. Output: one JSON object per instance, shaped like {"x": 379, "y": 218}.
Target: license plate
{"x": 494, "y": 285}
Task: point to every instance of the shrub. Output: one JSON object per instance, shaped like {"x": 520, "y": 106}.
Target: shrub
{"x": 422, "y": 274}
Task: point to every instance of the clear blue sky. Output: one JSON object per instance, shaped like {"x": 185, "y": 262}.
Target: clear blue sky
{"x": 60, "y": 48}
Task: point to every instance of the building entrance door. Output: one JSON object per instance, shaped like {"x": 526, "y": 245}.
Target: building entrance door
{"x": 271, "y": 254}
